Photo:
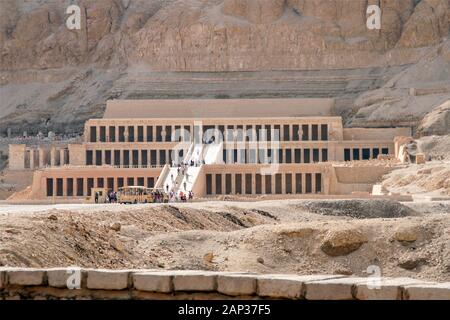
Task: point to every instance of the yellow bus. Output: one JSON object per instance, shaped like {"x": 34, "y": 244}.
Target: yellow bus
{"x": 134, "y": 194}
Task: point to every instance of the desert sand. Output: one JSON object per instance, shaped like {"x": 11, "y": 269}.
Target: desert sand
{"x": 276, "y": 236}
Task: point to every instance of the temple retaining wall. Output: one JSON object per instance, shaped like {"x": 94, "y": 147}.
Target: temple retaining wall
{"x": 43, "y": 284}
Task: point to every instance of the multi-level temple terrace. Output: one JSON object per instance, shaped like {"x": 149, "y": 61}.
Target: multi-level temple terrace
{"x": 251, "y": 147}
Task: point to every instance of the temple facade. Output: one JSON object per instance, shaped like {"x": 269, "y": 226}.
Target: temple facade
{"x": 231, "y": 147}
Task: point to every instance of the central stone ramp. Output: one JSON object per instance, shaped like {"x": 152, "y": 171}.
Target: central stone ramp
{"x": 178, "y": 178}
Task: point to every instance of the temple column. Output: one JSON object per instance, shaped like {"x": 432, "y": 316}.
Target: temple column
{"x": 53, "y": 156}
{"x": 273, "y": 180}
{"x": 213, "y": 184}
{"x": 97, "y": 132}
{"x": 313, "y": 183}
{"x": 85, "y": 188}
{"x": 32, "y": 164}
{"x": 41, "y": 155}
{"x": 139, "y": 158}
{"x": 233, "y": 183}
{"x": 303, "y": 182}
{"x": 62, "y": 156}
{"x": 64, "y": 187}
{"x": 253, "y": 183}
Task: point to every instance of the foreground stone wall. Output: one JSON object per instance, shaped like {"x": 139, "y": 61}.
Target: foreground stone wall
{"x": 42, "y": 284}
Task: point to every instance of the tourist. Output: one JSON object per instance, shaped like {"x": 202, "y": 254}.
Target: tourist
{"x": 96, "y": 197}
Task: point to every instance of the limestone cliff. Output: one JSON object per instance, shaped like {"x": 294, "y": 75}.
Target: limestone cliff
{"x": 52, "y": 78}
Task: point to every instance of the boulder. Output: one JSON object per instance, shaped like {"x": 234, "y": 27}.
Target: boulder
{"x": 342, "y": 242}
{"x": 407, "y": 233}
{"x": 411, "y": 261}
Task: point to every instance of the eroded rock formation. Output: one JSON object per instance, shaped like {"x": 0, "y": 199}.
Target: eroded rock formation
{"x": 50, "y": 72}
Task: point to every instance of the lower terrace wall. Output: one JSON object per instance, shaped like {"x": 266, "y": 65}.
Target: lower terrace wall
{"x": 365, "y": 174}
{"x": 347, "y": 180}
{"x": 333, "y": 180}
{"x": 39, "y": 187}
{"x": 43, "y": 284}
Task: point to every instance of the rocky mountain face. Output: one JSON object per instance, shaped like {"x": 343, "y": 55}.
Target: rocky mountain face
{"x": 52, "y": 78}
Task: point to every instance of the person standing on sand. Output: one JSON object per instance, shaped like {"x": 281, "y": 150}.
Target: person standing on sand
{"x": 96, "y": 197}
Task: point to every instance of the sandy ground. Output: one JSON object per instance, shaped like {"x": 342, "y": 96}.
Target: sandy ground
{"x": 284, "y": 236}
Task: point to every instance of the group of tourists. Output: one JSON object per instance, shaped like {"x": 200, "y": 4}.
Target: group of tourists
{"x": 112, "y": 197}
{"x": 158, "y": 196}
{"x": 181, "y": 196}
{"x": 182, "y": 167}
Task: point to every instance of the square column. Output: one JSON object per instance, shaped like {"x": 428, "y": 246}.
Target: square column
{"x": 64, "y": 187}
{"x": 213, "y": 184}
{"x": 41, "y": 160}
{"x": 313, "y": 183}
{"x": 139, "y": 158}
{"x": 53, "y": 156}
{"x": 32, "y": 153}
{"x": 303, "y": 182}
{"x": 253, "y": 183}
{"x": 62, "y": 157}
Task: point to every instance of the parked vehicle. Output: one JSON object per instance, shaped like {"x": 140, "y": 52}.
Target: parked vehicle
{"x": 135, "y": 194}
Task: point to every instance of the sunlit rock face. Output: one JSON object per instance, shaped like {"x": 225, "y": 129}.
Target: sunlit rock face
{"x": 49, "y": 72}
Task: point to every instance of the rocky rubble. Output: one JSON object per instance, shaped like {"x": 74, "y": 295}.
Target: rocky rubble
{"x": 285, "y": 239}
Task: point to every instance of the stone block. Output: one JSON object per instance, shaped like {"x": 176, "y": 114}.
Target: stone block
{"x": 25, "y": 277}
{"x": 194, "y": 281}
{"x": 285, "y": 286}
{"x": 2, "y": 279}
{"x": 236, "y": 284}
{"x": 332, "y": 289}
{"x": 58, "y": 277}
{"x": 430, "y": 291}
{"x": 420, "y": 158}
{"x": 384, "y": 289}
{"x": 107, "y": 279}
{"x": 153, "y": 281}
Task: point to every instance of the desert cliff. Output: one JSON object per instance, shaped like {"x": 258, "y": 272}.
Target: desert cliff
{"x": 52, "y": 78}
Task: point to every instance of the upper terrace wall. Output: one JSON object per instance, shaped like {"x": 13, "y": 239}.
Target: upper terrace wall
{"x": 375, "y": 133}
{"x": 217, "y": 108}
{"x": 165, "y": 129}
